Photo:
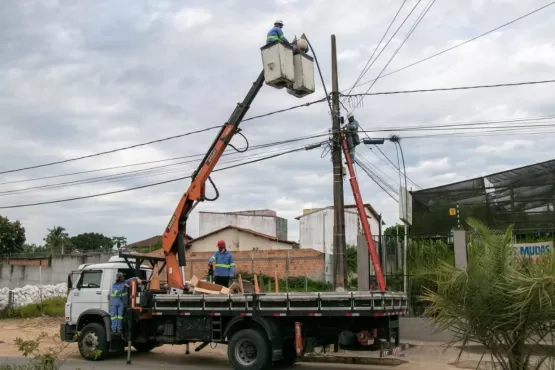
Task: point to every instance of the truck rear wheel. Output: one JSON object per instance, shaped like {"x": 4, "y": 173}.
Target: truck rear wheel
{"x": 92, "y": 342}
{"x": 248, "y": 349}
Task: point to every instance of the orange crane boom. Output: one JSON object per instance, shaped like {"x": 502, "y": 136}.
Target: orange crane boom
{"x": 173, "y": 239}
{"x": 363, "y": 218}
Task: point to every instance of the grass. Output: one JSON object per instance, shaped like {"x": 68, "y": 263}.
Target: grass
{"x": 53, "y": 307}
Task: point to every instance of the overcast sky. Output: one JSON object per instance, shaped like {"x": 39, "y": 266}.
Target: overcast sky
{"x": 79, "y": 77}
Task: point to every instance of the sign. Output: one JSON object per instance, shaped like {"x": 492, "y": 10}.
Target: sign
{"x": 452, "y": 211}
{"x": 532, "y": 250}
{"x": 405, "y": 206}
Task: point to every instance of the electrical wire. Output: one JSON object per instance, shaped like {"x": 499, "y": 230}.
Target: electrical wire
{"x": 130, "y": 175}
{"x": 154, "y": 184}
{"x": 227, "y": 153}
{"x": 158, "y": 140}
{"x": 111, "y": 151}
{"x": 460, "y": 44}
{"x": 375, "y": 178}
{"x": 413, "y": 28}
{"x": 451, "y": 88}
{"x": 366, "y": 68}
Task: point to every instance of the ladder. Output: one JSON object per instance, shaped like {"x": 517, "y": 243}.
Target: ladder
{"x": 217, "y": 329}
{"x": 363, "y": 217}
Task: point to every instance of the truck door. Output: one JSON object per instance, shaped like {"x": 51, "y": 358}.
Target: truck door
{"x": 88, "y": 292}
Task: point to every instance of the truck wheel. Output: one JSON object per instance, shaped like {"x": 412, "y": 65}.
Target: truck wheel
{"x": 146, "y": 346}
{"x": 289, "y": 353}
{"x": 248, "y": 349}
{"x": 92, "y": 342}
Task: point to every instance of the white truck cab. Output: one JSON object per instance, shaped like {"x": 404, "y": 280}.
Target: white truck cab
{"x": 88, "y": 300}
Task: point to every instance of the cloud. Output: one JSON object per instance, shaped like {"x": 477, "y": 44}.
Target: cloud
{"x": 91, "y": 76}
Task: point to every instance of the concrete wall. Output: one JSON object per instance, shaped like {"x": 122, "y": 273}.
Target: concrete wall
{"x": 316, "y": 229}
{"x": 262, "y": 223}
{"x": 419, "y": 329}
{"x": 295, "y": 262}
{"x": 237, "y": 240}
{"x": 18, "y": 273}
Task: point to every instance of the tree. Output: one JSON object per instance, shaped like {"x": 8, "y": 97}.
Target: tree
{"x": 91, "y": 242}
{"x": 57, "y": 240}
{"x": 504, "y": 303}
{"x": 119, "y": 241}
{"x": 12, "y": 236}
{"x": 395, "y": 230}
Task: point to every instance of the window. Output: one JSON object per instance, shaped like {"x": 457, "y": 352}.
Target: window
{"x": 130, "y": 273}
{"x": 90, "y": 279}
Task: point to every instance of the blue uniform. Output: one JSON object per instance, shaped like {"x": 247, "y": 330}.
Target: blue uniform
{"x": 118, "y": 297}
{"x": 275, "y": 34}
{"x": 225, "y": 266}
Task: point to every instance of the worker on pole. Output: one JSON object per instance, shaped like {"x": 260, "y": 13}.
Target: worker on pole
{"x": 118, "y": 296}
{"x": 351, "y": 134}
{"x": 276, "y": 34}
{"x": 225, "y": 266}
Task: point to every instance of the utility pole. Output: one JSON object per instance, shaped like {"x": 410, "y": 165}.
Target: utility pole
{"x": 339, "y": 243}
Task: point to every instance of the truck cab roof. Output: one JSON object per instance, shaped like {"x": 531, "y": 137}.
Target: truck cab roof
{"x": 114, "y": 262}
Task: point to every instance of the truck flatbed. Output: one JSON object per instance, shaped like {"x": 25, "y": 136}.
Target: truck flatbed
{"x": 374, "y": 303}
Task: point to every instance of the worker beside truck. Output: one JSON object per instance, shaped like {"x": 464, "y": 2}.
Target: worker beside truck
{"x": 118, "y": 299}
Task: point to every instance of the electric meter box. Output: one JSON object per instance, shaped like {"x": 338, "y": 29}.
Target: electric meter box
{"x": 303, "y": 83}
{"x": 279, "y": 69}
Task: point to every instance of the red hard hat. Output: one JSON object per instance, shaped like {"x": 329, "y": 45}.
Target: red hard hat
{"x": 221, "y": 243}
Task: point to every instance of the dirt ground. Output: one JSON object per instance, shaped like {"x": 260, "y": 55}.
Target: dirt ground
{"x": 423, "y": 355}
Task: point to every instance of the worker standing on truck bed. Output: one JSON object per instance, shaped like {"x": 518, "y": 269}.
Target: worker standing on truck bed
{"x": 118, "y": 297}
{"x": 225, "y": 266}
{"x": 351, "y": 135}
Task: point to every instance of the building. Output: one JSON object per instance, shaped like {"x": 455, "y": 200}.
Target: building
{"x": 316, "y": 227}
{"x": 239, "y": 239}
{"x": 522, "y": 196}
{"x": 263, "y": 221}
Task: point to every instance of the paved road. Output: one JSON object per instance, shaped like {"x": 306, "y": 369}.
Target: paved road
{"x": 191, "y": 363}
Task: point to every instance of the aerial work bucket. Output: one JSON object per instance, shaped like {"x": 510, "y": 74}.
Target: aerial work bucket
{"x": 279, "y": 70}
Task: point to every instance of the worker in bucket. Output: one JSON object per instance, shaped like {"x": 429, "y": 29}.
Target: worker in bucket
{"x": 351, "y": 134}
{"x": 276, "y": 34}
{"x": 225, "y": 266}
{"x": 118, "y": 296}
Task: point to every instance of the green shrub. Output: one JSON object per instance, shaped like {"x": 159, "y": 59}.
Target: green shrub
{"x": 49, "y": 307}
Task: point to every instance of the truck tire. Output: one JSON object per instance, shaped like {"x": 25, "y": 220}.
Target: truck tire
{"x": 92, "y": 342}
{"x": 289, "y": 353}
{"x": 248, "y": 349}
{"x": 144, "y": 347}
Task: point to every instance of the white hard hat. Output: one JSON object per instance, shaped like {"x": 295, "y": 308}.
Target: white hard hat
{"x": 350, "y": 115}
{"x": 278, "y": 22}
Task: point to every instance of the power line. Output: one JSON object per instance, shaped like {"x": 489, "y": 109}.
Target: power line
{"x": 420, "y": 17}
{"x": 111, "y": 151}
{"x": 366, "y": 68}
{"x": 390, "y": 163}
{"x": 452, "y": 88}
{"x": 460, "y": 44}
{"x": 228, "y": 152}
{"x": 375, "y": 178}
{"x": 308, "y": 147}
{"x": 130, "y": 175}
{"x": 158, "y": 140}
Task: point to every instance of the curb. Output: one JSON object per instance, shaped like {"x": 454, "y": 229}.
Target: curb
{"x": 353, "y": 360}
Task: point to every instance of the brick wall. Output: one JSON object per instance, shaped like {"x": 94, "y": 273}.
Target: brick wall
{"x": 298, "y": 262}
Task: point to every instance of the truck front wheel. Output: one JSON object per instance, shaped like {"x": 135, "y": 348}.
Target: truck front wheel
{"x": 92, "y": 342}
{"x": 248, "y": 349}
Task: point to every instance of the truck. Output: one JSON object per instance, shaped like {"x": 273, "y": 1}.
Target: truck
{"x": 260, "y": 328}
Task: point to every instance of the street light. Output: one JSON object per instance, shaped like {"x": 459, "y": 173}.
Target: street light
{"x": 369, "y": 141}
